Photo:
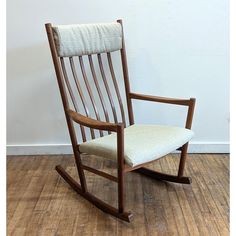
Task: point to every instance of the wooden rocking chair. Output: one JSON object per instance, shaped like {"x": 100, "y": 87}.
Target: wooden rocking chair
{"x": 133, "y": 145}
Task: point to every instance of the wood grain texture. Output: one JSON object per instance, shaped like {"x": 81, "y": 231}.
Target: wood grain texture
{"x": 89, "y": 122}
{"x": 40, "y": 203}
{"x": 176, "y": 101}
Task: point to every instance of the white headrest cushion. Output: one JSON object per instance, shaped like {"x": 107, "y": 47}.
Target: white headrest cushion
{"x": 86, "y": 39}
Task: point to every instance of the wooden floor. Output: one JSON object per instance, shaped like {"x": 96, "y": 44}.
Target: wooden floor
{"x": 41, "y": 203}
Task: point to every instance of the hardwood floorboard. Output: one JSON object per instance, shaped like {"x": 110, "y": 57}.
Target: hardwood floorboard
{"x": 205, "y": 183}
{"x": 212, "y": 184}
{"x": 199, "y": 189}
{"x": 182, "y": 224}
{"x": 39, "y": 202}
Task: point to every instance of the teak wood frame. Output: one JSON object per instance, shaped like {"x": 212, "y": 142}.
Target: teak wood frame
{"x": 122, "y": 168}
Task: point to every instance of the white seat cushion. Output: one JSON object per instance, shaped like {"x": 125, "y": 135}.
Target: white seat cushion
{"x": 142, "y": 143}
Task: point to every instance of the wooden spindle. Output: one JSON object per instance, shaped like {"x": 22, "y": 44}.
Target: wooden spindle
{"x": 107, "y": 87}
{"x": 89, "y": 90}
{"x": 80, "y": 92}
{"x": 71, "y": 95}
{"x": 98, "y": 89}
{"x": 116, "y": 87}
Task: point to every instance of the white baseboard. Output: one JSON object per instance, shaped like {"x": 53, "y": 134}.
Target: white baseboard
{"x": 50, "y": 149}
{"x": 209, "y": 147}
{"x": 39, "y": 149}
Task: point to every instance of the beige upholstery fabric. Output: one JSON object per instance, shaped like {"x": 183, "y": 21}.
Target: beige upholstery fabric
{"x": 143, "y": 143}
{"x": 84, "y": 39}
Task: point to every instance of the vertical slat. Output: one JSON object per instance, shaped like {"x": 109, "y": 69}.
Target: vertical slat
{"x": 116, "y": 87}
{"x": 68, "y": 84}
{"x": 126, "y": 77}
{"x": 106, "y": 86}
{"x": 71, "y": 94}
{"x": 98, "y": 88}
{"x": 80, "y": 92}
{"x": 89, "y": 90}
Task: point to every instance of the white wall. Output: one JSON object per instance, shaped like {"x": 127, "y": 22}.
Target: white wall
{"x": 175, "y": 48}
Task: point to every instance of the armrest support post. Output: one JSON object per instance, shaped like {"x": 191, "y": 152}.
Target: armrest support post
{"x": 190, "y": 113}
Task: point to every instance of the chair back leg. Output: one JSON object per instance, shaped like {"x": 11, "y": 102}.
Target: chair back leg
{"x": 182, "y": 161}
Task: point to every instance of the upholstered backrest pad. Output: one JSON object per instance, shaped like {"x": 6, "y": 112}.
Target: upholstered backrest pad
{"x": 86, "y": 39}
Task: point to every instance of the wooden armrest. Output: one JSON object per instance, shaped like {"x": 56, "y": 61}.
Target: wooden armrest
{"x": 92, "y": 123}
{"x": 183, "y": 102}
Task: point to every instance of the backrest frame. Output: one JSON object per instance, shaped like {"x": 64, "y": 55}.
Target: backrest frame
{"x": 63, "y": 84}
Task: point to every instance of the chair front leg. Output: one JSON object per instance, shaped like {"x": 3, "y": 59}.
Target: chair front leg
{"x": 120, "y": 164}
{"x": 182, "y": 161}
